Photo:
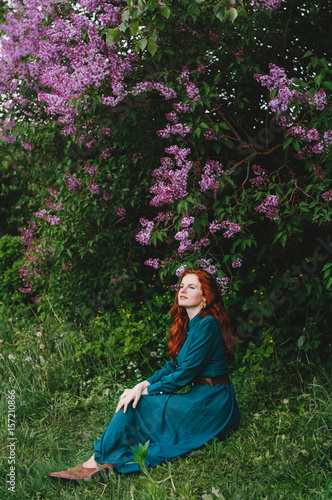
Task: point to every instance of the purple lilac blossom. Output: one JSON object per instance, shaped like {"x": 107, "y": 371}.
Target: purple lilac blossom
{"x": 270, "y": 207}
{"x": 91, "y": 169}
{"x": 180, "y": 270}
{"x": 187, "y": 221}
{"x": 270, "y": 5}
{"x": 93, "y": 187}
{"x": 162, "y": 217}
{"x": 121, "y": 212}
{"x": 237, "y": 263}
{"x": 211, "y": 171}
{"x": 214, "y": 227}
{"x": 222, "y": 284}
{"x": 210, "y": 135}
{"x": 143, "y": 236}
{"x": 232, "y": 229}
{"x": 153, "y": 263}
{"x": 327, "y": 196}
{"x": 207, "y": 265}
{"x": 319, "y": 100}
{"x": 72, "y": 183}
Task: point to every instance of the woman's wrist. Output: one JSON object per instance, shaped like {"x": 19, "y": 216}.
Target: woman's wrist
{"x": 143, "y": 385}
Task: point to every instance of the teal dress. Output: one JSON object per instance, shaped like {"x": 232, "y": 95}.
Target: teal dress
{"x": 176, "y": 424}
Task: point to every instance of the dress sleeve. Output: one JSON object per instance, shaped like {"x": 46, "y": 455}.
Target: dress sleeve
{"x": 169, "y": 367}
{"x": 200, "y": 348}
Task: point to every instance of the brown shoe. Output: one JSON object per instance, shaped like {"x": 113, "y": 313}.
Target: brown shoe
{"x": 80, "y": 472}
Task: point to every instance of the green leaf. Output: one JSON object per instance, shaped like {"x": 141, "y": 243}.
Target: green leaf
{"x": 141, "y": 5}
{"x": 126, "y": 15}
{"x": 113, "y": 35}
{"x": 287, "y": 141}
{"x": 318, "y": 79}
{"x": 219, "y": 11}
{"x": 165, "y": 11}
{"x": 223, "y": 125}
{"x": 152, "y": 48}
{"x": 242, "y": 11}
{"x": 134, "y": 28}
{"x": 233, "y": 14}
{"x": 307, "y": 54}
{"x": 141, "y": 44}
{"x": 300, "y": 341}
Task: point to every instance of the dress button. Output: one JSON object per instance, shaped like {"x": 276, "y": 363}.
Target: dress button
{"x": 160, "y": 392}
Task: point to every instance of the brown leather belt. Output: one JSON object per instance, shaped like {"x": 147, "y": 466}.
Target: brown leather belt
{"x": 212, "y": 381}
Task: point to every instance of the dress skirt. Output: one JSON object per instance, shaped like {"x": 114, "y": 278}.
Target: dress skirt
{"x": 175, "y": 424}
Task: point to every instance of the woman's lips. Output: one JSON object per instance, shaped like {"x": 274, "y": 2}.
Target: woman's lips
{"x": 182, "y": 297}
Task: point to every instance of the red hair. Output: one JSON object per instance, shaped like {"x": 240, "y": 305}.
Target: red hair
{"x": 214, "y": 307}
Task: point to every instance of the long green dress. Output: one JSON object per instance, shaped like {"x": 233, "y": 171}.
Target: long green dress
{"x": 176, "y": 424}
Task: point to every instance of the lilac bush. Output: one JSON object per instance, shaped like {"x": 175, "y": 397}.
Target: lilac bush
{"x": 181, "y": 139}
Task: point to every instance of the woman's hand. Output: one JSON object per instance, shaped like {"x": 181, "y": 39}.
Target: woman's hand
{"x": 133, "y": 394}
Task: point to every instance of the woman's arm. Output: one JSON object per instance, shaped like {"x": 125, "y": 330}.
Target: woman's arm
{"x": 168, "y": 368}
{"x": 133, "y": 394}
{"x": 199, "y": 350}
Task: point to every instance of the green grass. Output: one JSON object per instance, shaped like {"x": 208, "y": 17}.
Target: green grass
{"x": 280, "y": 451}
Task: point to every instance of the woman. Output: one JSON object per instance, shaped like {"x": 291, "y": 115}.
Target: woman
{"x": 200, "y": 344}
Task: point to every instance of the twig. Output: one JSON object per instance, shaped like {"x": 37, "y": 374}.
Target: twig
{"x": 55, "y": 314}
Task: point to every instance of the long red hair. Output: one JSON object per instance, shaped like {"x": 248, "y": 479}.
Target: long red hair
{"x": 214, "y": 307}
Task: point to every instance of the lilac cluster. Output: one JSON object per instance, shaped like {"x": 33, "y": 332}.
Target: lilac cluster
{"x": 177, "y": 128}
{"x": 222, "y": 284}
{"x": 169, "y": 183}
{"x": 91, "y": 169}
{"x": 276, "y": 79}
{"x": 237, "y": 263}
{"x": 143, "y": 237}
{"x": 191, "y": 89}
{"x": 93, "y": 187}
{"x": 121, "y": 212}
{"x": 319, "y": 172}
{"x": 210, "y": 135}
{"x": 34, "y": 51}
{"x": 34, "y": 255}
{"x": 207, "y": 265}
{"x": 180, "y": 270}
{"x": 232, "y": 228}
{"x": 185, "y": 241}
{"x": 319, "y": 100}
{"x": 155, "y": 263}
{"x": 270, "y": 207}
{"x": 270, "y": 5}
{"x": 211, "y": 171}
{"x": 106, "y": 153}
{"x": 52, "y": 219}
{"x": 106, "y": 196}
{"x": 214, "y": 227}
{"x": 182, "y": 108}
{"x": 260, "y": 174}
{"x": 27, "y": 145}
{"x": 322, "y": 142}
{"x": 72, "y": 183}
{"x": 327, "y": 196}
{"x": 163, "y": 216}
{"x": 187, "y": 221}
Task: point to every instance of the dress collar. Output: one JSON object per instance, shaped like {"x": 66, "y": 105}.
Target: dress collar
{"x": 193, "y": 322}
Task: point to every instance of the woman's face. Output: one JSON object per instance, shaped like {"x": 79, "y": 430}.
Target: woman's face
{"x": 190, "y": 294}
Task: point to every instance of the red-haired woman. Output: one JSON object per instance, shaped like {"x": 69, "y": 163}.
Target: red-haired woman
{"x": 200, "y": 344}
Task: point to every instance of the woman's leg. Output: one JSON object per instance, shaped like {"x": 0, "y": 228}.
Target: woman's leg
{"x": 91, "y": 463}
